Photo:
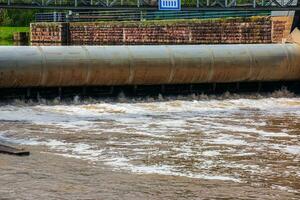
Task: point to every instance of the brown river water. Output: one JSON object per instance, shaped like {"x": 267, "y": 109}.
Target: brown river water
{"x": 166, "y": 148}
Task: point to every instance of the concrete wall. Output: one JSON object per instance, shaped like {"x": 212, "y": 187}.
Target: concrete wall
{"x": 282, "y": 24}
{"x": 217, "y": 31}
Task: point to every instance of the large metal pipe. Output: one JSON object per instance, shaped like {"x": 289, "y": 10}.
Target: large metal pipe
{"x": 146, "y": 65}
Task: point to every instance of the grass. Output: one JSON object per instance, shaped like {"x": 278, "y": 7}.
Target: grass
{"x": 6, "y": 33}
{"x": 164, "y": 22}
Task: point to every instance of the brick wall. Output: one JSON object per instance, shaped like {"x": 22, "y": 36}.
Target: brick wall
{"x": 239, "y": 30}
{"x": 217, "y": 31}
{"x": 49, "y": 33}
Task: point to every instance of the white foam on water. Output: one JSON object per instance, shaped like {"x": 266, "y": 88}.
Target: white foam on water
{"x": 293, "y": 150}
{"x": 228, "y": 140}
{"x": 210, "y": 153}
{"x": 290, "y": 149}
{"x": 85, "y": 115}
{"x": 284, "y": 188}
{"x": 124, "y": 164}
{"x": 183, "y": 128}
{"x": 246, "y": 129}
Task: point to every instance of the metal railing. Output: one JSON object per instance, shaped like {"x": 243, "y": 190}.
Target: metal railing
{"x": 140, "y": 15}
{"x": 50, "y": 17}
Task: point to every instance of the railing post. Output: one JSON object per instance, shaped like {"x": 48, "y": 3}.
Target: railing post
{"x": 138, "y": 3}
{"x": 207, "y": 3}
{"x": 8, "y": 2}
{"x": 75, "y": 3}
{"x": 254, "y": 3}
{"x": 54, "y": 16}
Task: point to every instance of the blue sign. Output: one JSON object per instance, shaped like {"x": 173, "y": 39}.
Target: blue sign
{"x": 169, "y": 5}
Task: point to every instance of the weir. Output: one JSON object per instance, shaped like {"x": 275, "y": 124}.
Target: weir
{"x": 68, "y": 66}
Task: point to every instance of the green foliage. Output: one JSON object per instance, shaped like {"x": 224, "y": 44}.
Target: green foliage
{"x": 5, "y": 20}
{"x": 6, "y": 42}
{"x": 6, "y": 33}
{"x": 168, "y": 22}
{"x": 15, "y": 17}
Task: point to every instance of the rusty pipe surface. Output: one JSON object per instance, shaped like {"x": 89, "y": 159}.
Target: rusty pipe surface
{"x": 46, "y": 66}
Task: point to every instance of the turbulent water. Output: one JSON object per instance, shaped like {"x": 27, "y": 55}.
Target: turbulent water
{"x": 190, "y": 148}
